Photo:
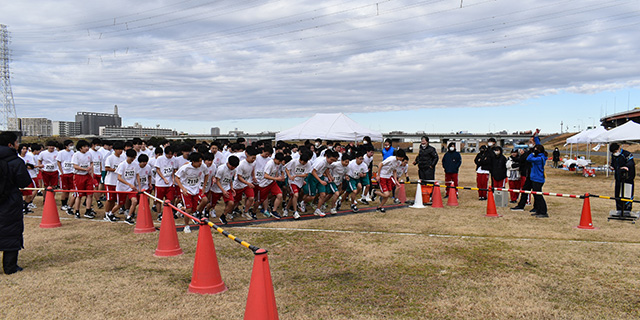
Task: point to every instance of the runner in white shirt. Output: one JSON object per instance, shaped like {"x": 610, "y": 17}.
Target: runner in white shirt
{"x": 65, "y": 168}
{"x": 82, "y": 178}
{"x": 165, "y": 167}
{"x": 368, "y": 160}
{"x": 261, "y": 160}
{"x": 218, "y": 156}
{"x": 128, "y": 178}
{"x": 297, "y": 171}
{"x": 318, "y": 180}
{"x": 207, "y": 185}
{"x": 145, "y": 173}
{"x": 98, "y": 160}
{"x": 111, "y": 177}
{"x": 223, "y": 187}
{"x": 48, "y": 160}
{"x": 267, "y": 185}
{"x": 244, "y": 183}
{"x": 338, "y": 171}
{"x": 388, "y": 176}
{"x": 29, "y": 161}
{"x": 189, "y": 179}
{"x": 356, "y": 172}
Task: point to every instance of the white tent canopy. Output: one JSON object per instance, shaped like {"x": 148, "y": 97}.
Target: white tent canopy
{"x": 587, "y": 136}
{"x": 329, "y": 126}
{"x": 629, "y": 131}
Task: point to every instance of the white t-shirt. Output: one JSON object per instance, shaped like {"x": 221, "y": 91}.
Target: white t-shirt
{"x": 259, "y": 166}
{"x": 354, "y": 169}
{"x": 219, "y": 159}
{"x": 105, "y": 154}
{"x": 49, "y": 160}
{"x": 65, "y": 159}
{"x": 128, "y": 172}
{"x": 338, "y": 172}
{"x": 192, "y": 177}
{"x": 244, "y": 170}
{"x": 389, "y": 165}
{"x": 241, "y": 155}
{"x": 321, "y": 165}
{"x": 167, "y": 167}
{"x": 113, "y": 162}
{"x": 211, "y": 174}
{"x": 145, "y": 177}
{"x": 96, "y": 156}
{"x": 272, "y": 169}
{"x": 30, "y": 159}
{"x": 152, "y": 165}
{"x": 225, "y": 176}
{"x": 367, "y": 160}
{"x": 296, "y": 168}
{"x": 180, "y": 161}
{"x": 83, "y": 160}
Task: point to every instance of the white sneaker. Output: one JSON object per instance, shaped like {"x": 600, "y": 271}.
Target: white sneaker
{"x": 31, "y": 206}
{"x": 180, "y": 206}
{"x": 334, "y": 211}
{"x": 368, "y": 198}
{"x": 229, "y": 216}
{"x": 187, "y": 229}
{"x": 319, "y": 213}
{"x": 212, "y": 214}
{"x": 64, "y": 208}
{"x": 296, "y": 215}
{"x": 302, "y": 206}
{"x": 247, "y": 216}
{"x": 285, "y": 213}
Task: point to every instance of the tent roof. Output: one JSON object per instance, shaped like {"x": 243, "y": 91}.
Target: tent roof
{"x": 329, "y": 126}
{"x": 587, "y": 136}
{"x": 629, "y": 131}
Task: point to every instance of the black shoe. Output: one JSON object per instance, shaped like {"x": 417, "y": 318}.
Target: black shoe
{"x": 160, "y": 217}
{"x": 77, "y": 214}
{"x": 154, "y": 208}
{"x": 100, "y": 204}
{"x": 364, "y": 201}
{"x": 517, "y": 209}
{"x": 129, "y": 220}
{"x": 18, "y": 268}
{"x": 110, "y": 217}
{"x": 381, "y": 209}
{"x": 542, "y": 215}
{"x": 354, "y": 208}
{"x": 276, "y": 215}
{"x": 70, "y": 212}
{"x": 89, "y": 214}
{"x": 533, "y": 210}
{"x": 223, "y": 219}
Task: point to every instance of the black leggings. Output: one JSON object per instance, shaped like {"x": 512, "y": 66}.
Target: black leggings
{"x": 538, "y": 200}
{"x": 10, "y": 261}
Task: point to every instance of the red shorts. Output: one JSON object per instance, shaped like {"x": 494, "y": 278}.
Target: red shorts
{"x": 294, "y": 188}
{"x": 111, "y": 196}
{"x": 96, "y": 180}
{"x": 386, "y": 184}
{"x": 191, "y": 201}
{"x": 165, "y": 193}
{"x": 122, "y": 197}
{"x": 271, "y": 189}
{"x": 246, "y": 191}
{"x": 82, "y": 182}
{"x": 29, "y": 192}
{"x": 215, "y": 197}
{"x": 50, "y": 179}
{"x": 66, "y": 181}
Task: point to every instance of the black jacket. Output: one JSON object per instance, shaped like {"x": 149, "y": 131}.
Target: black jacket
{"x": 525, "y": 166}
{"x": 484, "y": 159}
{"x": 498, "y": 167}
{"x": 556, "y": 155}
{"x": 15, "y": 175}
{"x": 427, "y": 157}
{"x": 451, "y": 162}
{"x": 625, "y": 159}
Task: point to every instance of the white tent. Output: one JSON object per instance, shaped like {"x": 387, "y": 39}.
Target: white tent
{"x": 629, "y": 131}
{"x": 585, "y": 137}
{"x": 328, "y": 126}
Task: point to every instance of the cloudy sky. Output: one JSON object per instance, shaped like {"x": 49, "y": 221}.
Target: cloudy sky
{"x": 258, "y": 65}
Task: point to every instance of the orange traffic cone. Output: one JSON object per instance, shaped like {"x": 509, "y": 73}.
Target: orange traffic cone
{"x": 585, "y": 218}
{"x": 206, "y": 277}
{"x": 261, "y": 302}
{"x": 452, "y": 201}
{"x": 491, "y": 205}
{"x": 144, "y": 223}
{"x": 50, "y": 217}
{"x": 401, "y": 193}
{"x": 168, "y": 244}
{"x": 436, "y": 197}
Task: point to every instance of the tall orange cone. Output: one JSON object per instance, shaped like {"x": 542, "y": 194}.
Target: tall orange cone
{"x": 417, "y": 203}
{"x": 168, "y": 244}
{"x": 436, "y": 197}
{"x": 452, "y": 201}
{"x": 401, "y": 193}
{"x": 206, "y": 277}
{"x": 491, "y": 205}
{"x": 261, "y": 302}
{"x": 50, "y": 217}
{"x": 144, "y": 223}
{"x": 585, "y": 218}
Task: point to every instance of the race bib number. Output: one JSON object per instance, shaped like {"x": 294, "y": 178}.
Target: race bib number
{"x": 259, "y": 174}
{"x": 97, "y": 166}
{"x": 193, "y": 181}
{"x": 299, "y": 171}
{"x": 129, "y": 174}
{"x": 84, "y": 165}
{"x": 49, "y": 167}
{"x": 143, "y": 180}
{"x": 167, "y": 171}
{"x": 68, "y": 165}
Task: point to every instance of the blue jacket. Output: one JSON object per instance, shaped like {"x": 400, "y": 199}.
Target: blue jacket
{"x": 387, "y": 153}
{"x": 537, "y": 167}
{"x": 451, "y": 161}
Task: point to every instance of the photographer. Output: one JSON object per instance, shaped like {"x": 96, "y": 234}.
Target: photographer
{"x": 624, "y": 172}
{"x": 538, "y": 159}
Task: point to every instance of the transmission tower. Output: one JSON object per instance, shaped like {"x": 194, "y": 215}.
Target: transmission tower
{"x": 8, "y": 119}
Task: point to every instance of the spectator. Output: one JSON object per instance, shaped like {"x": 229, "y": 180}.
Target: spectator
{"x": 525, "y": 172}
{"x": 387, "y": 149}
{"x": 426, "y": 160}
{"x": 483, "y": 165}
{"x": 451, "y": 162}
{"x": 498, "y": 168}
{"x": 624, "y": 168}
{"x": 556, "y": 157}
{"x": 14, "y": 176}
{"x": 538, "y": 159}
{"x": 513, "y": 174}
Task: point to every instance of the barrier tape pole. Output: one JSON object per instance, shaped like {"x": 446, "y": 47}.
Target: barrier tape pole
{"x": 210, "y": 224}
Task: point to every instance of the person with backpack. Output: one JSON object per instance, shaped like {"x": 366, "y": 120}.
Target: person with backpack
{"x": 14, "y": 176}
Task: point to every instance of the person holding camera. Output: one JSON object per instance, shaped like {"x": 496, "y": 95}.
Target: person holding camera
{"x": 624, "y": 168}
{"x": 538, "y": 159}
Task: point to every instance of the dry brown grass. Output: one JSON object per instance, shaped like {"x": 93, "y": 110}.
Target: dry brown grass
{"x": 419, "y": 267}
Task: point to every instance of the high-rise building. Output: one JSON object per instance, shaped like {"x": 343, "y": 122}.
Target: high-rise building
{"x": 215, "y": 131}
{"x": 91, "y": 121}
{"x": 136, "y": 131}
{"x": 32, "y": 126}
{"x": 65, "y": 128}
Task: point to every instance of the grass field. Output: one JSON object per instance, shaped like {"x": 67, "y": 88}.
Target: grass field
{"x": 407, "y": 263}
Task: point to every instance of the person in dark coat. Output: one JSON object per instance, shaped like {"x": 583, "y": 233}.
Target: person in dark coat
{"x": 451, "y": 162}
{"x": 556, "y": 157}
{"x": 426, "y": 160}
{"x": 525, "y": 173}
{"x": 14, "y": 175}
{"x": 624, "y": 168}
{"x": 483, "y": 167}
{"x": 498, "y": 168}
